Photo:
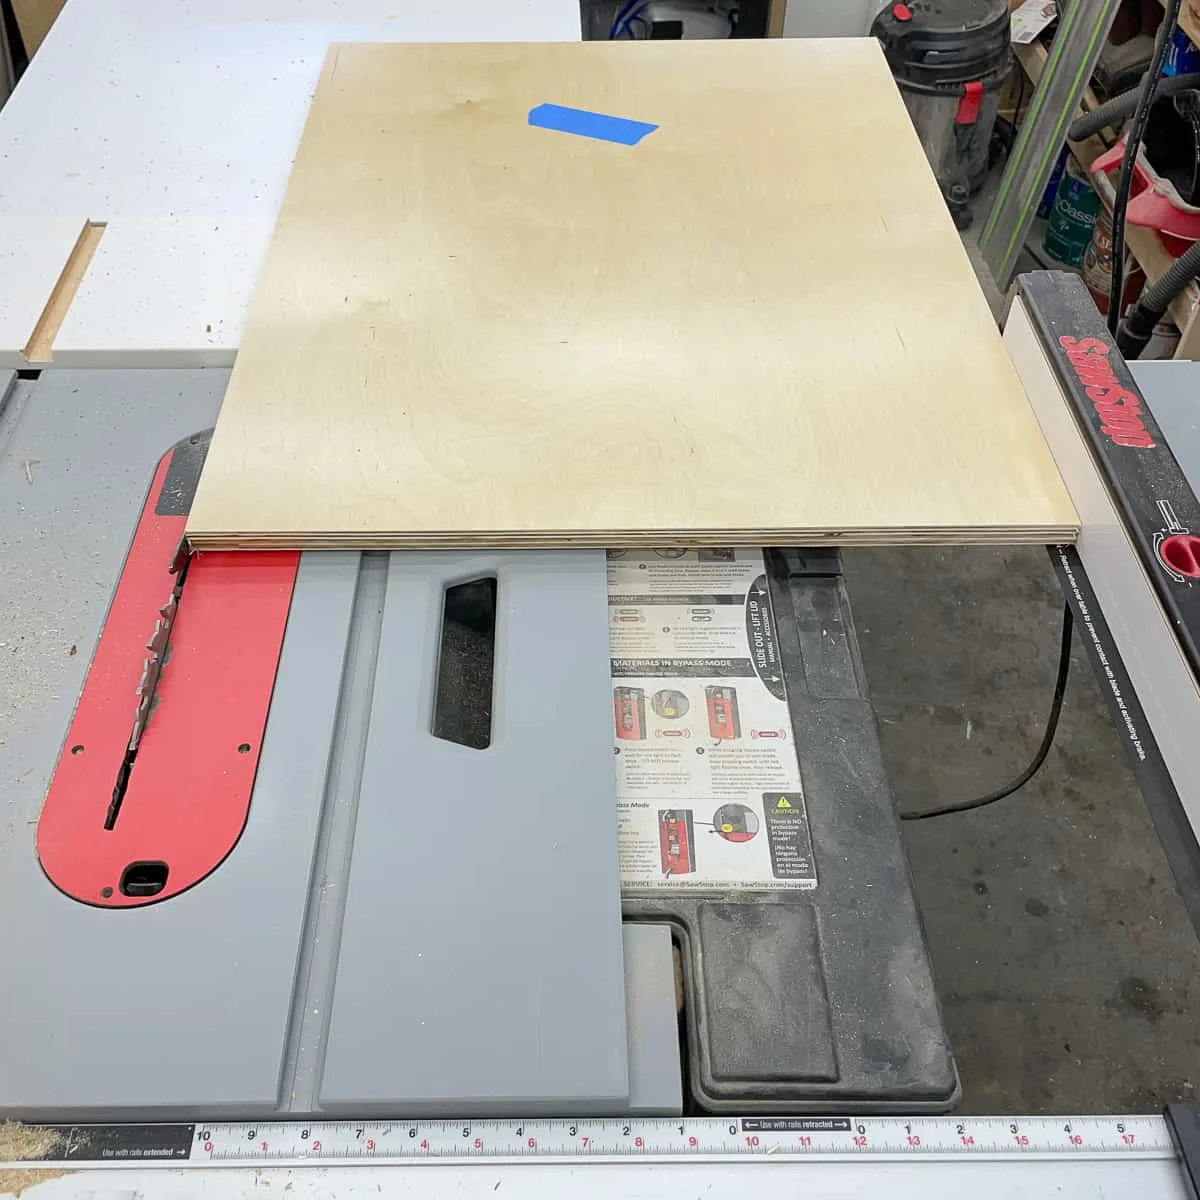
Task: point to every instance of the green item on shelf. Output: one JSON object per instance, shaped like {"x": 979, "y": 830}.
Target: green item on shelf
{"x": 1072, "y": 219}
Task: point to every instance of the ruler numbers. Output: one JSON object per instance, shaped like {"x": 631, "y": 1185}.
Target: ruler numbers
{"x": 676, "y": 1138}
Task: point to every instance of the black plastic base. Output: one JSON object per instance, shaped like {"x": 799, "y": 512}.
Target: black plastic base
{"x": 821, "y": 1000}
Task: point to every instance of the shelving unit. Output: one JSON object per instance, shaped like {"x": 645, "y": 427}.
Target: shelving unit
{"x": 1082, "y": 27}
{"x": 1144, "y": 245}
{"x": 1189, "y": 19}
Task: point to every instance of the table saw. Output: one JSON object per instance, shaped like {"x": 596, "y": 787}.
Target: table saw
{"x": 259, "y": 874}
{"x": 302, "y": 895}
{"x": 259, "y": 868}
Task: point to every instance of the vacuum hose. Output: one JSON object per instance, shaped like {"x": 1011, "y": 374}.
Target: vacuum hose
{"x": 1122, "y": 106}
{"x": 1136, "y": 330}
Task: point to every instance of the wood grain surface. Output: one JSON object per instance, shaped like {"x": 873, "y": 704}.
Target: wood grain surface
{"x": 756, "y": 325}
{"x": 34, "y": 18}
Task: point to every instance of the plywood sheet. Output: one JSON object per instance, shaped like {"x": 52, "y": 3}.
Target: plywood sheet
{"x": 755, "y": 325}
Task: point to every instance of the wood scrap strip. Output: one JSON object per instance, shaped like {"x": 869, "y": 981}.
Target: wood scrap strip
{"x": 40, "y": 347}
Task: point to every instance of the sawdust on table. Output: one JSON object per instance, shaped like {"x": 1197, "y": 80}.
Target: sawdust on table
{"x": 27, "y": 1143}
{"x": 21, "y": 1143}
{"x": 14, "y": 1182}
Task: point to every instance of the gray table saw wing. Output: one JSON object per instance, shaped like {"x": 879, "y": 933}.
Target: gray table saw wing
{"x": 405, "y": 924}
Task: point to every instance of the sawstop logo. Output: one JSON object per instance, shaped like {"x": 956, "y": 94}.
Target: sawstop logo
{"x": 1119, "y": 409}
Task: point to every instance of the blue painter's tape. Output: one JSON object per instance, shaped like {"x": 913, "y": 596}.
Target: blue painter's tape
{"x": 590, "y": 124}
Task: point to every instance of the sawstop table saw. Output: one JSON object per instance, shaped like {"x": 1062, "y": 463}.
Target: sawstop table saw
{"x": 250, "y": 872}
{"x": 262, "y": 876}
{"x": 255, "y": 881}
{"x": 258, "y": 873}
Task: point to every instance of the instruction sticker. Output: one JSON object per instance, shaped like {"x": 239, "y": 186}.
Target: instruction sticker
{"x": 708, "y": 784}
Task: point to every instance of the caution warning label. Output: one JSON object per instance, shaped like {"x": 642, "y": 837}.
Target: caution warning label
{"x": 787, "y": 836}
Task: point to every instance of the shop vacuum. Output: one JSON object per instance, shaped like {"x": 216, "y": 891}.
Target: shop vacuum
{"x": 950, "y": 59}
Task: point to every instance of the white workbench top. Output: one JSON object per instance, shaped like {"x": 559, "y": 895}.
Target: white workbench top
{"x": 175, "y": 121}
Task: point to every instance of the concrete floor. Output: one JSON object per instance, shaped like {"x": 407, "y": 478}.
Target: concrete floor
{"x": 1068, "y": 969}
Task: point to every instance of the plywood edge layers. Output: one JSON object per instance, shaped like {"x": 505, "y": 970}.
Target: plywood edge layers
{"x": 630, "y": 539}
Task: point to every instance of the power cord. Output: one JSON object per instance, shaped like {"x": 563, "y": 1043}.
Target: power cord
{"x": 1060, "y": 690}
{"x": 1133, "y": 141}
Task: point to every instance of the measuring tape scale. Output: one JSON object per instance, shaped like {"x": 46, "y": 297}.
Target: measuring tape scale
{"x": 334, "y": 1143}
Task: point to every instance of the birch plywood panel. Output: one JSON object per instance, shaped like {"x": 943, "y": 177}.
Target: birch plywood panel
{"x": 755, "y": 325}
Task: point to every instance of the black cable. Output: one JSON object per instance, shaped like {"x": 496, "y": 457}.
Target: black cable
{"x": 1017, "y": 108}
{"x": 1060, "y": 690}
{"x": 1133, "y": 140}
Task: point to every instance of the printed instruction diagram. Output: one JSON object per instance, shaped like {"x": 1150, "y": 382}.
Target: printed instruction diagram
{"x": 709, "y": 794}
